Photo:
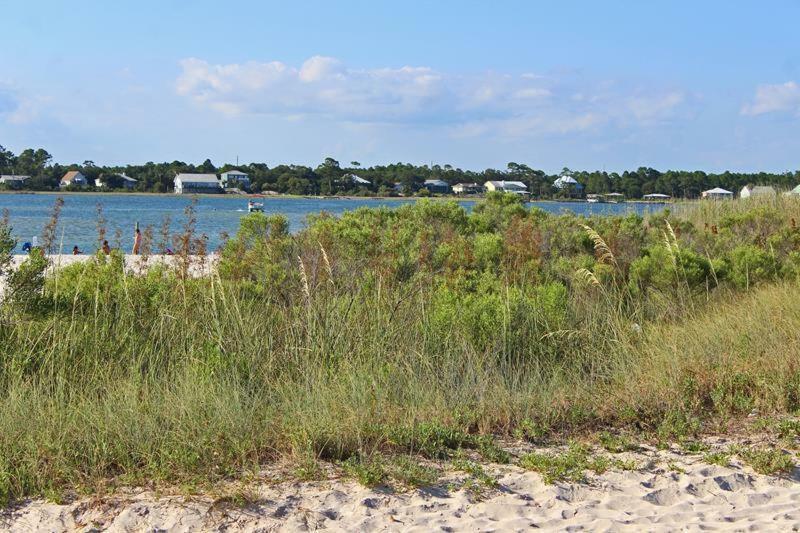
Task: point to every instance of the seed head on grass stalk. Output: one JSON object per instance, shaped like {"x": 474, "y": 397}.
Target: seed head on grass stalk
{"x": 49, "y": 231}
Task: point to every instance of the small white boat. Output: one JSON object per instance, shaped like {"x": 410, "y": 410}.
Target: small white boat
{"x": 255, "y": 207}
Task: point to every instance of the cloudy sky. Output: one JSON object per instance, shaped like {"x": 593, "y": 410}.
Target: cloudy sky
{"x": 707, "y": 85}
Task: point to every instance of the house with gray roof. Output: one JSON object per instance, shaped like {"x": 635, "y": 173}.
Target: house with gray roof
{"x": 13, "y": 181}
{"x": 187, "y": 183}
{"x": 235, "y": 179}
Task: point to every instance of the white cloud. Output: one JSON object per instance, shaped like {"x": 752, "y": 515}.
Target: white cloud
{"x": 777, "y": 97}
{"x": 318, "y": 68}
{"x": 647, "y": 108}
{"x": 476, "y": 104}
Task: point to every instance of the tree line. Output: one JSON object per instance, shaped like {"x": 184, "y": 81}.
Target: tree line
{"x": 331, "y": 177}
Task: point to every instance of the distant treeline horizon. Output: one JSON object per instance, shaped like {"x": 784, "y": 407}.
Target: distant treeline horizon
{"x": 331, "y": 177}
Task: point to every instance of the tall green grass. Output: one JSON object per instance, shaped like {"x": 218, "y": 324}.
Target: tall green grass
{"x": 415, "y": 330}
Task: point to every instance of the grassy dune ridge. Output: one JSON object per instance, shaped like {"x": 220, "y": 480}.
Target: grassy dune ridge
{"x": 421, "y": 329}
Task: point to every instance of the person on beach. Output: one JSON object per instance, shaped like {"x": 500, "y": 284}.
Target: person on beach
{"x": 137, "y": 242}
{"x": 106, "y": 248}
{"x": 76, "y": 250}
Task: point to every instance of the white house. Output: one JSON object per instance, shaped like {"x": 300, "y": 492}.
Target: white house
{"x": 717, "y": 193}
{"x": 656, "y": 197}
{"x": 793, "y": 192}
{"x": 357, "y": 180}
{"x": 186, "y": 183}
{"x": 73, "y": 177}
{"x": 127, "y": 182}
{"x": 466, "y": 188}
{"x": 566, "y": 181}
{"x": 13, "y": 181}
{"x": 235, "y": 179}
{"x": 515, "y": 187}
{"x": 751, "y": 191}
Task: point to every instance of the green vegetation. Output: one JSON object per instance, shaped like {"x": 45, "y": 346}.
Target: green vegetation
{"x": 331, "y": 178}
{"x": 717, "y": 458}
{"x": 765, "y": 460}
{"x": 422, "y": 330}
{"x": 616, "y": 443}
{"x": 570, "y": 465}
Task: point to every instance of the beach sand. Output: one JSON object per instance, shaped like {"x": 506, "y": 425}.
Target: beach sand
{"x": 669, "y": 491}
{"x": 133, "y": 263}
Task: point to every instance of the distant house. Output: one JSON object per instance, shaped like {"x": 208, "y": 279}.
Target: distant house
{"x": 437, "y": 186}
{"x": 13, "y": 181}
{"x": 75, "y": 178}
{"x": 717, "y": 193}
{"x": 516, "y": 187}
{"x": 357, "y": 180}
{"x": 197, "y": 184}
{"x": 656, "y": 197}
{"x": 750, "y": 191}
{"x": 793, "y": 192}
{"x": 467, "y": 188}
{"x": 235, "y": 179}
{"x": 126, "y": 181}
{"x": 567, "y": 182}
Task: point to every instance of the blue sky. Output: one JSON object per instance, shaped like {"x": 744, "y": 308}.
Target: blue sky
{"x": 696, "y": 85}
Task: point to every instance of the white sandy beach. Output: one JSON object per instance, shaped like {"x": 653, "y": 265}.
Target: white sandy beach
{"x": 133, "y": 263}
{"x": 670, "y": 491}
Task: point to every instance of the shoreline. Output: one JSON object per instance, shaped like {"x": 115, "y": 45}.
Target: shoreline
{"x": 261, "y": 196}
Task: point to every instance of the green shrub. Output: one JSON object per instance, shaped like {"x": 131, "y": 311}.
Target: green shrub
{"x": 750, "y": 265}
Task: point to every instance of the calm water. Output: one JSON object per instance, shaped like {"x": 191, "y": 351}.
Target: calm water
{"x": 215, "y": 214}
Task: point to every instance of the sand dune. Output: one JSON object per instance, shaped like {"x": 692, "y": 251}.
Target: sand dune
{"x": 670, "y": 492}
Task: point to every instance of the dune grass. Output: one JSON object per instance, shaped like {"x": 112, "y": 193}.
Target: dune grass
{"x": 421, "y": 330}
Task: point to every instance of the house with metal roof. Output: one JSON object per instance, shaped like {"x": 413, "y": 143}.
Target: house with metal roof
{"x": 752, "y": 191}
{"x": 437, "y": 186}
{"x": 186, "y": 183}
{"x": 357, "y": 180}
{"x": 235, "y": 179}
{"x": 125, "y": 181}
{"x": 506, "y": 186}
{"x": 13, "y": 181}
{"x": 717, "y": 193}
{"x": 565, "y": 182}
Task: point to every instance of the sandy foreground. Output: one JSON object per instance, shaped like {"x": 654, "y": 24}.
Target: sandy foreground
{"x": 669, "y": 491}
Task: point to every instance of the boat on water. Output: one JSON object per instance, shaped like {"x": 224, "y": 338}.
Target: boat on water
{"x": 255, "y": 207}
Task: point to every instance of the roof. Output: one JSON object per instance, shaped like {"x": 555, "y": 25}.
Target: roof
{"x": 465, "y": 185}
{"x": 656, "y": 195}
{"x": 565, "y": 180}
{"x": 717, "y": 190}
{"x": 127, "y": 178}
{"x": 508, "y": 185}
{"x": 357, "y": 179}
{"x": 234, "y": 172}
{"x": 197, "y": 178}
{"x": 13, "y": 177}
{"x": 439, "y": 183}
{"x": 71, "y": 175}
{"x": 614, "y": 194}
{"x": 759, "y": 189}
